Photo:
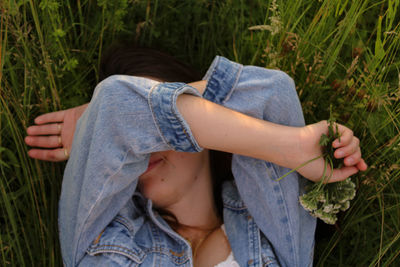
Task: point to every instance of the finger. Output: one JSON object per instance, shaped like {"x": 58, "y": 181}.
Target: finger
{"x": 57, "y": 116}
{"x": 342, "y": 174}
{"x": 44, "y": 141}
{"x": 349, "y": 149}
{"x": 362, "y": 166}
{"x": 353, "y": 159}
{"x": 46, "y": 129}
{"x": 48, "y": 155}
{"x": 346, "y": 136}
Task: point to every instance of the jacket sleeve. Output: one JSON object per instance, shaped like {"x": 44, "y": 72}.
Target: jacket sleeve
{"x": 127, "y": 118}
{"x": 269, "y": 95}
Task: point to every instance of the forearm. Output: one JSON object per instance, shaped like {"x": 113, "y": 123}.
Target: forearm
{"x": 219, "y": 128}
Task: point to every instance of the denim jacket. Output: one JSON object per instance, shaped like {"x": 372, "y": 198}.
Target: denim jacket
{"x": 130, "y": 117}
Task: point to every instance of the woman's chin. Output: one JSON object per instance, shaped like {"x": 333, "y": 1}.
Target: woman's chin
{"x": 157, "y": 191}
{"x": 151, "y": 186}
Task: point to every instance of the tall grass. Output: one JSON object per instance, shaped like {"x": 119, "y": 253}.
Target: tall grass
{"x": 344, "y": 53}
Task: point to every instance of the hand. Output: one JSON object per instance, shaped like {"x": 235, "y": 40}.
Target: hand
{"x": 53, "y": 130}
{"x": 347, "y": 149}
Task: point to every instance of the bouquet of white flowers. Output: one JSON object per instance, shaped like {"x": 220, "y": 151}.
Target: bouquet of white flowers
{"x": 325, "y": 200}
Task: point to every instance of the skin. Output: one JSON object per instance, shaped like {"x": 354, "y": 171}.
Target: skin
{"x": 45, "y": 132}
{"x": 216, "y": 127}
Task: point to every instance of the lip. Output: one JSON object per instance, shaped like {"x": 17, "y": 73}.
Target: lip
{"x": 153, "y": 164}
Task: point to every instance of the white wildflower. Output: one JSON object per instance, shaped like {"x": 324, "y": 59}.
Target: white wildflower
{"x": 326, "y": 217}
{"x": 321, "y": 197}
{"x": 345, "y": 206}
{"x": 308, "y": 203}
{"x": 337, "y": 206}
{"x": 328, "y": 208}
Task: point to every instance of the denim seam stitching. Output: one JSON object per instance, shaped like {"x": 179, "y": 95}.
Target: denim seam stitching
{"x": 157, "y": 232}
{"x": 287, "y": 215}
{"x": 289, "y": 221}
{"x": 104, "y": 249}
{"x": 152, "y": 89}
{"x": 174, "y": 96}
{"x": 218, "y": 58}
{"x": 228, "y": 96}
{"x": 252, "y": 236}
{"x": 99, "y": 197}
{"x": 124, "y": 222}
{"x": 168, "y": 253}
{"x": 210, "y": 77}
{"x": 156, "y": 223}
{"x": 229, "y": 206}
{"x": 260, "y": 248}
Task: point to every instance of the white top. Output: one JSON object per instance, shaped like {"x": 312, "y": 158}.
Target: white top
{"x": 230, "y": 261}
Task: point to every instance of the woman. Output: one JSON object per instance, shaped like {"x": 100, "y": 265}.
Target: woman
{"x": 134, "y": 123}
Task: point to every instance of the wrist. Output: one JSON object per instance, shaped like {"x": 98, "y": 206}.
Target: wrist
{"x": 284, "y": 145}
{"x": 79, "y": 110}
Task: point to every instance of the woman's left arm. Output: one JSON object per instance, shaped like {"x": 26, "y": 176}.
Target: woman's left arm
{"x": 111, "y": 149}
{"x": 52, "y": 135}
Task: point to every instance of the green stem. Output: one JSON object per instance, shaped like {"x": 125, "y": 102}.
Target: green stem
{"x": 295, "y": 169}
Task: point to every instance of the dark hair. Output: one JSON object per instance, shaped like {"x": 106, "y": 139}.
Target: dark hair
{"x": 140, "y": 61}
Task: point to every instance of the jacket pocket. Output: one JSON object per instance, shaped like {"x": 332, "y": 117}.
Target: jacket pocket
{"x": 116, "y": 241}
{"x": 107, "y": 259}
{"x": 130, "y": 257}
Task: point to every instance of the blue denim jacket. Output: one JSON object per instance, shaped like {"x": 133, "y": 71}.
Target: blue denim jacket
{"x": 130, "y": 117}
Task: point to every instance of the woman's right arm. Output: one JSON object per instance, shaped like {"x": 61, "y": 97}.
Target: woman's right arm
{"x": 219, "y": 128}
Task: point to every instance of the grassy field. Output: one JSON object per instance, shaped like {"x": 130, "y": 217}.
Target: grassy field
{"x": 339, "y": 52}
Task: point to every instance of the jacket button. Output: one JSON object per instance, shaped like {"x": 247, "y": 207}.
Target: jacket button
{"x": 250, "y": 262}
{"x": 249, "y": 217}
